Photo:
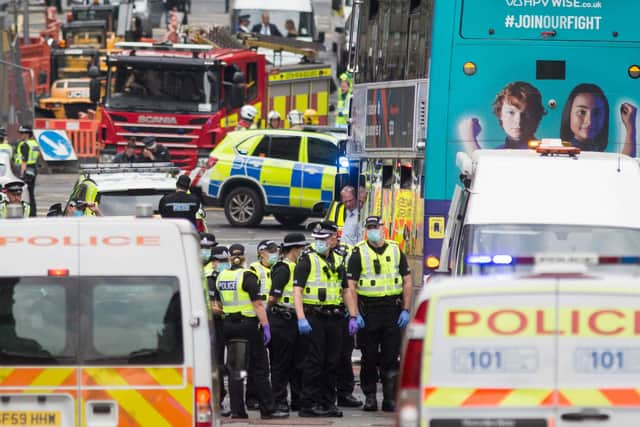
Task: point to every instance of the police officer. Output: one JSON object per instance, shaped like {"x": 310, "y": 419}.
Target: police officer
{"x": 180, "y": 204}
{"x": 26, "y": 158}
{"x": 379, "y": 276}
{"x": 287, "y": 350}
{"x": 219, "y": 262}
{"x": 4, "y": 143}
{"x": 244, "y": 318}
{"x": 207, "y": 243}
{"x": 154, "y": 152}
{"x": 319, "y": 292}
{"x": 342, "y": 118}
{"x": 13, "y": 193}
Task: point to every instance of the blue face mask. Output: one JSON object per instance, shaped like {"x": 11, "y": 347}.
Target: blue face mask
{"x": 222, "y": 266}
{"x": 273, "y": 258}
{"x": 374, "y": 235}
{"x": 205, "y": 254}
{"x": 78, "y": 213}
{"x": 320, "y": 246}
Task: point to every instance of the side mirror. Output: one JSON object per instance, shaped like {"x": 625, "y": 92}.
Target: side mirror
{"x": 94, "y": 90}
{"x": 238, "y": 77}
{"x": 237, "y": 95}
{"x": 55, "y": 210}
{"x": 94, "y": 72}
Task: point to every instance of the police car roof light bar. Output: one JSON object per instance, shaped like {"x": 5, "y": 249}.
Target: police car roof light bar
{"x": 532, "y": 260}
{"x": 98, "y": 168}
{"x": 163, "y": 46}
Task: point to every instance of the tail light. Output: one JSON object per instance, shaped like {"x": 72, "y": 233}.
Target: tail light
{"x": 409, "y": 396}
{"x": 211, "y": 162}
{"x": 204, "y": 412}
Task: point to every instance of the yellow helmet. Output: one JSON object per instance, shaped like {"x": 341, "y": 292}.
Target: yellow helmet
{"x": 310, "y": 117}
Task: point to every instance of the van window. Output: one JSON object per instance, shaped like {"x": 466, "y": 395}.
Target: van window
{"x": 322, "y": 152}
{"x": 133, "y": 320}
{"x": 36, "y": 321}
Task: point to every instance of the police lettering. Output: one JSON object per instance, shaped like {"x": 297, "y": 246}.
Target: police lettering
{"x": 227, "y": 285}
{"x": 506, "y": 322}
{"x": 90, "y": 241}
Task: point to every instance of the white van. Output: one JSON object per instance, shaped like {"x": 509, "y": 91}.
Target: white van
{"x": 523, "y": 352}
{"x": 523, "y": 202}
{"x": 103, "y": 322}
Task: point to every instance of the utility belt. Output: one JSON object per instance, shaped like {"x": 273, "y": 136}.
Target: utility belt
{"x": 389, "y": 301}
{"x": 238, "y": 317}
{"x": 283, "y": 312}
{"x": 324, "y": 310}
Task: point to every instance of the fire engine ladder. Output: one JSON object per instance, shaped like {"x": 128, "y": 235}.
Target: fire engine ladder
{"x": 308, "y": 50}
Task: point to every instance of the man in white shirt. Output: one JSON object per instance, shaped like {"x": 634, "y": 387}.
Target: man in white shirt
{"x": 351, "y": 229}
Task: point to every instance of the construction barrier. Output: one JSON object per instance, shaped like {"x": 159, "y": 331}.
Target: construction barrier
{"x": 82, "y": 134}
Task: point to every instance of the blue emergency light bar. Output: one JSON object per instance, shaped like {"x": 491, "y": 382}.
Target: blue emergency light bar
{"x": 501, "y": 259}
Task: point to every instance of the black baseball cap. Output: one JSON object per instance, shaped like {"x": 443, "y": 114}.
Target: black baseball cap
{"x": 207, "y": 240}
{"x": 373, "y": 221}
{"x": 268, "y": 245}
{"x": 220, "y": 253}
{"x": 294, "y": 240}
{"x": 183, "y": 182}
{"x": 236, "y": 250}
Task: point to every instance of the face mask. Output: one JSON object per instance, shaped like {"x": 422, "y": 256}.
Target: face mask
{"x": 273, "y": 258}
{"x": 374, "y": 235}
{"x": 222, "y": 266}
{"x": 78, "y": 213}
{"x": 205, "y": 254}
{"x": 320, "y": 246}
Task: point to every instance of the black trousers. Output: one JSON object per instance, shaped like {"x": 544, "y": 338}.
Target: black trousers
{"x": 380, "y": 332}
{"x": 31, "y": 186}
{"x": 247, "y": 329}
{"x": 287, "y": 352}
{"x": 345, "y": 381}
{"x": 321, "y": 364}
{"x": 218, "y": 351}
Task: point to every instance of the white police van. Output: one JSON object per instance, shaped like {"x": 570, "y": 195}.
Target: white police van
{"x": 86, "y": 341}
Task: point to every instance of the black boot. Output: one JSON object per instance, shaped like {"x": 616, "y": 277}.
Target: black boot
{"x": 389, "y": 393}
{"x": 370, "y": 403}
{"x": 349, "y": 401}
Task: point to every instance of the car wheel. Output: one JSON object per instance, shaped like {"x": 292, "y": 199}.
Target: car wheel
{"x": 290, "y": 220}
{"x": 243, "y": 207}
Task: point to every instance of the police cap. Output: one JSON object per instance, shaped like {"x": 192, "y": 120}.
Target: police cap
{"x": 207, "y": 240}
{"x": 244, "y": 17}
{"x": 373, "y": 222}
{"x": 292, "y": 240}
{"x": 14, "y": 186}
{"x": 25, "y": 129}
{"x": 267, "y": 245}
{"x": 321, "y": 233}
{"x": 149, "y": 141}
{"x": 220, "y": 253}
{"x": 3, "y": 132}
{"x": 236, "y": 250}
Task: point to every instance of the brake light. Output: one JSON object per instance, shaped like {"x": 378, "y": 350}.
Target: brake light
{"x": 58, "y": 272}
{"x": 421, "y": 313}
{"x": 211, "y": 162}
{"x": 203, "y": 413}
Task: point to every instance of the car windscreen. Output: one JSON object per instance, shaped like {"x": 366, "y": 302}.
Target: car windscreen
{"x": 124, "y": 203}
{"x": 525, "y": 240}
{"x": 91, "y": 320}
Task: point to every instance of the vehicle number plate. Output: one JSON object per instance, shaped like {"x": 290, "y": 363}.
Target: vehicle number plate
{"x": 30, "y": 418}
{"x": 592, "y": 360}
{"x": 495, "y": 360}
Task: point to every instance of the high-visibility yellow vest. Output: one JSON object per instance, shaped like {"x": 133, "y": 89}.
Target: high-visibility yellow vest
{"x": 343, "y": 107}
{"x": 287, "y": 292}
{"x": 234, "y": 298}
{"x": 26, "y": 209}
{"x": 321, "y": 276}
{"x": 336, "y": 213}
{"x": 207, "y": 271}
{"x": 5, "y": 147}
{"x": 34, "y": 152}
{"x": 385, "y": 283}
{"x": 264, "y": 274}
{"x": 90, "y": 195}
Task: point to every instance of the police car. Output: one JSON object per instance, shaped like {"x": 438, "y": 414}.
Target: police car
{"x": 85, "y": 344}
{"x": 252, "y": 173}
{"x": 119, "y": 188}
{"x": 554, "y": 348}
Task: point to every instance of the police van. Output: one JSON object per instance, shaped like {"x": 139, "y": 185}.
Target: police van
{"x": 551, "y": 199}
{"x": 84, "y": 342}
{"x": 541, "y": 350}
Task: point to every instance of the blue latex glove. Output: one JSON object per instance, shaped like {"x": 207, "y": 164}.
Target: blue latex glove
{"x": 304, "y": 327}
{"x": 360, "y": 321}
{"x": 353, "y": 326}
{"x": 266, "y": 334}
{"x": 403, "y": 319}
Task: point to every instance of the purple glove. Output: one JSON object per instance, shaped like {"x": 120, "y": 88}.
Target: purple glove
{"x": 353, "y": 326}
{"x": 266, "y": 334}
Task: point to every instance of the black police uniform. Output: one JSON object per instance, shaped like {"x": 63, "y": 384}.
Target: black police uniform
{"x": 236, "y": 326}
{"x": 381, "y": 330}
{"x": 179, "y": 204}
{"x": 323, "y": 346}
{"x": 217, "y": 336}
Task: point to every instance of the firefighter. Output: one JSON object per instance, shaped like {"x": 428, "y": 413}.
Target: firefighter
{"x": 287, "y": 349}
{"x": 319, "y": 292}
{"x": 26, "y": 158}
{"x": 344, "y": 95}
{"x": 245, "y": 318}
{"x": 13, "y": 194}
{"x": 248, "y": 114}
{"x": 295, "y": 120}
{"x": 380, "y": 278}
{"x": 310, "y": 117}
{"x": 274, "y": 121}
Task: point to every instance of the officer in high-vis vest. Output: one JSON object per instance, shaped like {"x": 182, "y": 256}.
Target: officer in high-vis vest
{"x": 342, "y": 109}
{"x": 13, "y": 194}
{"x": 379, "y": 275}
{"x": 287, "y": 349}
{"x": 245, "y": 318}
{"x": 319, "y": 290}
{"x": 207, "y": 243}
{"x": 268, "y": 254}
{"x": 219, "y": 262}
{"x": 5, "y": 147}
{"x": 26, "y": 158}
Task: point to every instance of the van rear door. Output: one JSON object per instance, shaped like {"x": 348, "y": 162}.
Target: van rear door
{"x": 599, "y": 354}
{"x": 489, "y": 356}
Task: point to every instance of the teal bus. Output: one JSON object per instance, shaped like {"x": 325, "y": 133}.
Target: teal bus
{"x": 499, "y": 74}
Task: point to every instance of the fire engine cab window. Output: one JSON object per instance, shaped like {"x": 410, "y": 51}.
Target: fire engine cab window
{"x": 36, "y": 326}
{"x": 134, "y": 321}
{"x": 284, "y": 147}
{"x": 322, "y": 152}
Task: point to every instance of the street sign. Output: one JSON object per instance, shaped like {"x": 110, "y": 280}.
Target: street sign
{"x": 55, "y": 145}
